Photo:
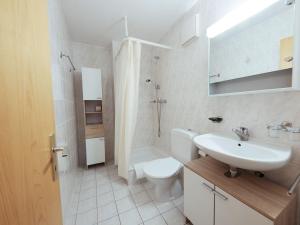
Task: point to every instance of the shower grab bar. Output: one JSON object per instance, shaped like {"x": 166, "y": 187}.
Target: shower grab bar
{"x": 69, "y": 58}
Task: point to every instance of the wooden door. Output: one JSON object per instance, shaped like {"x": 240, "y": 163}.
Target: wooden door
{"x": 230, "y": 211}
{"x": 91, "y": 84}
{"x": 28, "y": 194}
{"x": 198, "y": 199}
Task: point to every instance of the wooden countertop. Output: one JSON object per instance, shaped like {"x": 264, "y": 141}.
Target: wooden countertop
{"x": 261, "y": 194}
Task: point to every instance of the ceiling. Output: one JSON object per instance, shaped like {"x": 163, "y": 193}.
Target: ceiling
{"x": 100, "y": 21}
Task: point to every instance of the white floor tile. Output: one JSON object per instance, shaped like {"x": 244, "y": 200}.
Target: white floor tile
{"x": 112, "y": 221}
{"x": 181, "y": 208}
{"x": 164, "y": 206}
{"x": 130, "y": 217}
{"x": 87, "y": 205}
{"x": 88, "y": 172}
{"x": 141, "y": 198}
{"x": 101, "y": 170}
{"x": 125, "y": 204}
{"x": 122, "y": 193}
{"x": 105, "y": 199}
{"x": 88, "y": 185}
{"x": 104, "y": 188}
{"x": 72, "y": 210}
{"x": 156, "y": 221}
{"x": 102, "y": 180}
{"x": 71, "y": 220}
{"x": 148, "y": 211}
{"x": 134, "y": 189}
{"x": 106, "y": 212}
{"x": 77, "y": 188}
{"x": 147, "y": 185}
{"x": 151, "y": 193}
{"x": 174, "y": 217}
{"x": 114, "y": 177}
{"x": 88, "y": 178}
{"x": 86, "y": 194}
{"x": 88, "y": 218}
{"x": 118, "y": 184}
{"x": 178, "y": 201}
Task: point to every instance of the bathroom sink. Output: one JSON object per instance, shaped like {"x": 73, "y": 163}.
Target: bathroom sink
{"x": 250, "y": 155}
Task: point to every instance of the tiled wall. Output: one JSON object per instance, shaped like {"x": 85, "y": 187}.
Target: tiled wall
{"x": 146, "y": 119}
{"x": 63, "y": 94}
{"x": 85, "y": 55}
{"x": 182, "y": 74}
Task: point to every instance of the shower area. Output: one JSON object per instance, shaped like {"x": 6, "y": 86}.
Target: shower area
{"x": 147, "y": 114}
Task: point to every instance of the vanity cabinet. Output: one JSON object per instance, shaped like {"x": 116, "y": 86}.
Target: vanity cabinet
{"x": 230, "y": 211}
{"x": 210, "y": 198}
{"x": 198, "y": 195}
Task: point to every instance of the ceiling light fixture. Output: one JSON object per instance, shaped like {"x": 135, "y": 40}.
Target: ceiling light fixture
{"x": 239, "y": 15}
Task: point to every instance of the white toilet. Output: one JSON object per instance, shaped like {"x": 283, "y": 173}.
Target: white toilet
{"x": 165, "y": 173}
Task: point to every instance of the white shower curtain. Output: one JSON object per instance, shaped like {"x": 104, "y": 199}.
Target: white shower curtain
{"x": 127, "y": 76}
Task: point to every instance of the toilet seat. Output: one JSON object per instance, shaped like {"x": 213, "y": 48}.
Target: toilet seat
{"x": 162, "y": 168}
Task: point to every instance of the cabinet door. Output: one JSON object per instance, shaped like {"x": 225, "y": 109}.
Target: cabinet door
{"x": 91, "y": 84}
{"x": 95, "y": 151}
{"x": 198, "y": 199}
{"x": 230, "y": 211}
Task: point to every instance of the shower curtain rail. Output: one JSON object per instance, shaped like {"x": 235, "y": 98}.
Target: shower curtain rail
{"x": 147, "y": 42}
{"x": 69, "y": 58}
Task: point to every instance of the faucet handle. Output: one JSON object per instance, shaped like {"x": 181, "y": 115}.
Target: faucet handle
{"x": 245, "y": 130}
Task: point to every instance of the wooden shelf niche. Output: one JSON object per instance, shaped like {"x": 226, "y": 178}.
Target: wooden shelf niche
{"x": 93, "y": 119}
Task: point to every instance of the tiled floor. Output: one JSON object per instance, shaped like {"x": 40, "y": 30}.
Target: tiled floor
{"x": 103, "y": 198}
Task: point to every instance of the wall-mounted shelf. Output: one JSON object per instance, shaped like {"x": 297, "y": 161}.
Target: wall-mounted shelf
{"x": 267, "y": 81}
{"x": 93, "y": 112}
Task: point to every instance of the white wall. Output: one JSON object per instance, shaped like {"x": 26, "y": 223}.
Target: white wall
{"x": 183, "y": 77}
{"x": 63, "y": 94}
{"x": 85, "y": 55}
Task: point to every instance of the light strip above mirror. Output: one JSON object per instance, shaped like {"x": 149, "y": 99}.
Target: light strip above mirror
{"x": 239, "y": 15}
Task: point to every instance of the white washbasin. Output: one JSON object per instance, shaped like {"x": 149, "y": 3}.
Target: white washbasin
{"x": 250, "y": 155}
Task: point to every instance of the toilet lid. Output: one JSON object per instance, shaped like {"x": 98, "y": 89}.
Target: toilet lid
{"x": 162, "y": 168}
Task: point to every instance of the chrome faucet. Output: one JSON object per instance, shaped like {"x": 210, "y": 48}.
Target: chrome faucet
{"x": 242, "y": 133}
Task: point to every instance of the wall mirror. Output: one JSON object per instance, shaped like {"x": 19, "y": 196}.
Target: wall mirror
{"x": 255, "y": 48}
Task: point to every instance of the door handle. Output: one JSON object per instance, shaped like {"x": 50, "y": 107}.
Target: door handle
{"x": 220, "y": 195}
{"x": 54, "y": 150}
{"x": 289, "y": 59}
{"x": 206, "y": 186}
{"x": 57, "y": 149}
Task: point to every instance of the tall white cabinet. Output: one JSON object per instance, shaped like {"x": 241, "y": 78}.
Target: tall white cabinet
{"x": 91, "y": 84}
{"x": 88, "y": 86}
